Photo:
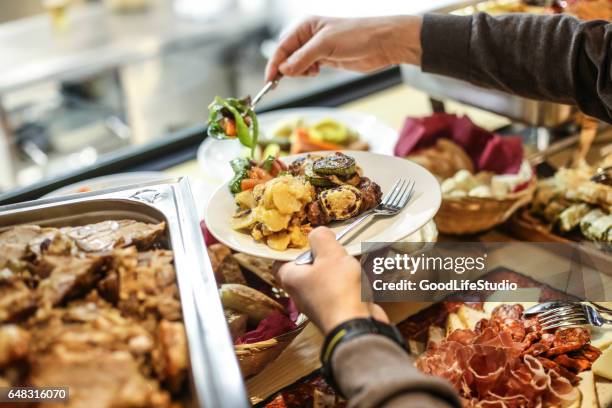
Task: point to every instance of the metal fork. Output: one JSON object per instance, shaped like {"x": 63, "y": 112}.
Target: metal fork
{"x": 393, "y": 202}
{"x": 575, "y": 314}
{"x": 546, "y": 306}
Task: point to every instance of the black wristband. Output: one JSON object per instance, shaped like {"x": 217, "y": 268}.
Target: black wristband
{"x": 349, "y": 330}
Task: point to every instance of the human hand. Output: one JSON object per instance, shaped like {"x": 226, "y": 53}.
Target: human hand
{"x": 357, "y": 44}
{"x": 329, "y": 290}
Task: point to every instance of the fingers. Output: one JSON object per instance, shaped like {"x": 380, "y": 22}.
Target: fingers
{"x": 323, "y": 243}
{"x": 304, "y": 58}
{"x": 289, "y": 43}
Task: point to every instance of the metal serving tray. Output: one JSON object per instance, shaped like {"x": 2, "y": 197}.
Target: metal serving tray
{"x": 528, "y": 111}
{"x": 216, "y": 380}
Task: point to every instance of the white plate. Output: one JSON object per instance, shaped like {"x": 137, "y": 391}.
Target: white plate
{"x": 382, "y": 169}
{"x": 214, "y": 155}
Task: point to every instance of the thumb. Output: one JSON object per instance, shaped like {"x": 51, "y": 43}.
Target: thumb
{"x": 308, "y": 55}
{"x": 323, "y": 243}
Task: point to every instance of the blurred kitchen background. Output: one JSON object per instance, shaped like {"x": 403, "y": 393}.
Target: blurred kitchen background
{"x": 84, "y": 79}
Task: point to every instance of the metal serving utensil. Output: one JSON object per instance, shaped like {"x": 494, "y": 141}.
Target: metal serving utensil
{"x": 543, "y": 307}
{"x": 393, "y": 202}
{"x": 267, "y": 88}
{"x": 573, "y": 315}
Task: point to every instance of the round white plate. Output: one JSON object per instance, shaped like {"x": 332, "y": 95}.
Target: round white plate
{"x": 382, "y": 169}
{"x": 214, "y": 155}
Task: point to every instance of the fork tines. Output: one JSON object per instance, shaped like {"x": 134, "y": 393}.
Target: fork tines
{"x": 571, "y": 315}
{"x": 401, "y": 192}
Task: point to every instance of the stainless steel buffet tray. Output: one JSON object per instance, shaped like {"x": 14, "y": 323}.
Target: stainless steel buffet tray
{"x": 216, "y": 380}
{"x": 528, "y": 111}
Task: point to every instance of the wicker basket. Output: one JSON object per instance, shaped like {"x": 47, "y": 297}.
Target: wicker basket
{"x": 254, "y": 357}
{"x": 469, "y": 215}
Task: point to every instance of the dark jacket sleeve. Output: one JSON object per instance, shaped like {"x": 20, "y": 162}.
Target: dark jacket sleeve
{"x": 556, "y": 58}
{"x": 373, "y": 371}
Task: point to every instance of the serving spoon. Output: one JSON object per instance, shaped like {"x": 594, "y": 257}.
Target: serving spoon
{"x": 267, "y": 87}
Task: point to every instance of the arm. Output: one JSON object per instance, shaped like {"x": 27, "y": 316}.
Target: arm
{"x": 371, "y": 370}
{"x": 556, "y": 58}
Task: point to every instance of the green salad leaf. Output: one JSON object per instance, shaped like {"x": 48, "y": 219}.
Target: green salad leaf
{"x": 237, "y": 112}
{"x": 241, "y": 167}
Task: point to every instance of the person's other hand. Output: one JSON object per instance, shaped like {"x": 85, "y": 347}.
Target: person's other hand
{"x": 357, "y": 44}
{"x": 329, "y": 290}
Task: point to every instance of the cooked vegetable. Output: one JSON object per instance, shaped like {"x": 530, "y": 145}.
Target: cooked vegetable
{"x": 231, "y": 118}
{"x": 316, "y": 179}
{"x": 243, "y": 220}
{"x": 341, "y": 203}
{"x": 271, "y": 150}
{"x": 329, "y": 130}
{"x": 241, "y": 167}
{"x": 335, "y": 164}
{"x": 303, "y": 143}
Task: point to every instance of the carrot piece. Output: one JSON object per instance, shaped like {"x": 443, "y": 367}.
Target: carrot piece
{"x": 259, "y": 173}
{"x": 303, "y": 143}
{"x": 229, "y": 127}
{"x": 250, "y": 183}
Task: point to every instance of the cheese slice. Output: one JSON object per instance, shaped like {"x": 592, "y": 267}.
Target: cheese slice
{"x": 604, "y": 392}
{"x": 435, "y": 334}
{"x": 601, "y": 338}
{"x": 587, "y": 390}
{"x": 470, "y": 316}
{"x": 454, "y": 322}
{"x": 603, "y": 365}
{"x": 415, "y": 347}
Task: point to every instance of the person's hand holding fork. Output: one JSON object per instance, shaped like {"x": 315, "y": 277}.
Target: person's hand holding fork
{"x": 329, "y": 290}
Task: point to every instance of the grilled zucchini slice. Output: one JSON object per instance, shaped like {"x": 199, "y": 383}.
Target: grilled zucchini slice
{"x": 337, "y": 164}
{"x": 341, "y": 203}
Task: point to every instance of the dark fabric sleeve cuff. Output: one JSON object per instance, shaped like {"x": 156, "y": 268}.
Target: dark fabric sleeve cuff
{"x": 445, "y": 44}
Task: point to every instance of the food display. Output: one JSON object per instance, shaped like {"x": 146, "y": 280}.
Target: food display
{"x": 486, "y": 184}
{"x": 279, "y": 204}
{"x": 572, "y": 205}
{"x": 484, "y": 176}
{"x": 261, "y": 318}
{"x": 503, "y": 357}
{"x": 95, "y": 308}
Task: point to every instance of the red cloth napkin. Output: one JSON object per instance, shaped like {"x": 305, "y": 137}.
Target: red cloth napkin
{"x": 209, "y": 239}
{"x": 274, "y": 325}
{"x": 488, "y": 151}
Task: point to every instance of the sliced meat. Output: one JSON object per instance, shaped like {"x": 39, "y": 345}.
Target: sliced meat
{"x": 17, "y": 300}
{"x": 14, "y": 344}
{"x": 87, "y": 325}
{"x": 97, "y": 379}
{"x": 170, "y": 358}
{"x": 147, "y": 284}
{"x": 67, "y": 276}
{"x": 574, "y": 364}
{"x": 371, "y": 194}
{"x": 107, "y": 235}
{"x": 14, "y": 245}
{"x": 316, "y": 216}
